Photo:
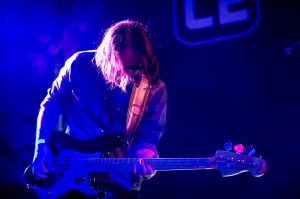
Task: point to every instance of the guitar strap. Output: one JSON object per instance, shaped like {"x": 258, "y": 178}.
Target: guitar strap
{"x": 136, "y": 107}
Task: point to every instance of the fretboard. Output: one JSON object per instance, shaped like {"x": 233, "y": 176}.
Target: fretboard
{"x": 159, "y": 164}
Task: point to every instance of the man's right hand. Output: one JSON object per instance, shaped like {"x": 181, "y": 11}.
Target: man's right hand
{"x": 39, "y": 168}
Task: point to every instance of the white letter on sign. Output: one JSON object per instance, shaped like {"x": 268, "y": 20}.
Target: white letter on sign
{"x": 225, "y": 16}
{"x": 195, "y": 23}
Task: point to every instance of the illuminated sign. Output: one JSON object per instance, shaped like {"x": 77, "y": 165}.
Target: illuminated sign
{"x": 197, "y": 22}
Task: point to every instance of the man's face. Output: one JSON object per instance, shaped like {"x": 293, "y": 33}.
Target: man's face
{"x": 131, "y": 61}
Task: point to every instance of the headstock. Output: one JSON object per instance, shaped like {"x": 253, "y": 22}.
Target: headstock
{"x": 230, "y": 163}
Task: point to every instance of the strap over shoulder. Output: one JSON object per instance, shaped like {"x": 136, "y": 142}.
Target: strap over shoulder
{"x": 136, "y": 107}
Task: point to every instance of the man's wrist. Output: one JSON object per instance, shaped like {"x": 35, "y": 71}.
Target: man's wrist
{"x": 40, "y": 141}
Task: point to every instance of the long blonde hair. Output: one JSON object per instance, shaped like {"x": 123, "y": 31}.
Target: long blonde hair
{"x": 115, "y": 39}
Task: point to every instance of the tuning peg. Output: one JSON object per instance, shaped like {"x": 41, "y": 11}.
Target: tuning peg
{"x": 250, "y": 150}
{"x": 239, "y": 148}
{"x": 228, "y": 146}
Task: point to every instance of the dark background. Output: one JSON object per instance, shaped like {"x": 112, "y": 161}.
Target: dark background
{"x": 245, "y": 90}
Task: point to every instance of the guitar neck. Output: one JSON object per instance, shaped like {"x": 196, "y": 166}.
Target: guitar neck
{"x": 159, "y": 164}
{"x": 165, "y": 164}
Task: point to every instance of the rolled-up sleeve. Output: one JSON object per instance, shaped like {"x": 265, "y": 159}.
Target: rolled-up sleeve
{"x": 54, "y": 102}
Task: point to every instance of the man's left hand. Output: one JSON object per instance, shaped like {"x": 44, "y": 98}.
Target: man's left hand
{"x": 142, "y": 169}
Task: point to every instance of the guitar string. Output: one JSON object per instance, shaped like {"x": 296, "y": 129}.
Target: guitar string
{"x": 126, "y": 163}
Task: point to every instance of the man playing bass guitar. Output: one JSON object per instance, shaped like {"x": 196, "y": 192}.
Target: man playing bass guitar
{"x": 93, "y": 91}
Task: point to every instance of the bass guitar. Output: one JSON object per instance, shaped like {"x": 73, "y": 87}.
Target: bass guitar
{"x": 77, "y": 169}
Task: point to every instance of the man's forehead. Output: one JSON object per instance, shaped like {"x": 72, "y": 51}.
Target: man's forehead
{"x": 129, "y": 53}
{"x": 129, "y": 56}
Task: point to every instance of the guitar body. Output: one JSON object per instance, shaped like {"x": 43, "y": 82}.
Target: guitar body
{"x": 63, "y": 178}
{"x": 70, "y": 163}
